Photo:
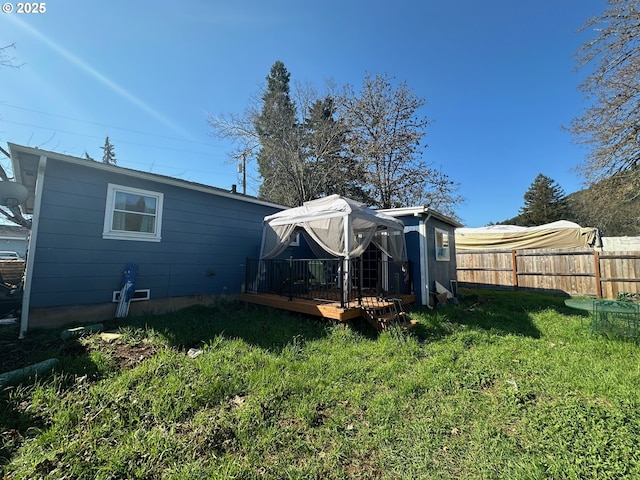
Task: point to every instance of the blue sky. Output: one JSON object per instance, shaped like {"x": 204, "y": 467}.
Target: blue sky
{"x": 498, "y": 77}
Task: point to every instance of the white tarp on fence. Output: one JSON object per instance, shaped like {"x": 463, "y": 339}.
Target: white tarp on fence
{"x": 560, "y": 234}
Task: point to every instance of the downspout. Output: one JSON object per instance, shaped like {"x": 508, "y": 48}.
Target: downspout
{"x": 31, "y": 249}
{"x": 424, "y": 260}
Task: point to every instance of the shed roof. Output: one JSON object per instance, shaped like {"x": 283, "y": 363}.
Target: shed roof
{"x": 420, "y": 211}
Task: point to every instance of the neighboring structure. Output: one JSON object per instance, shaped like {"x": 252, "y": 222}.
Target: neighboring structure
{"x": 90, "y": 220}
{"x": 621, "y": 244}
{"x": 13, "y": 238}
{"x": 431, "y": 248}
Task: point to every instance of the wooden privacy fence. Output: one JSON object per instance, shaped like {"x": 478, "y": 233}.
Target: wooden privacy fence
{"x": 11, "y": 271}
{"x": 571, "y": 271}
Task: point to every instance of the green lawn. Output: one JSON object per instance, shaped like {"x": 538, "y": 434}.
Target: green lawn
{"x": 504, "y": 385}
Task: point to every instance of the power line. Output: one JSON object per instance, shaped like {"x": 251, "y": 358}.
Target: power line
{"x": 119, "y": 141}
{"x": 140, "y": 132}
{"x": 160, "y": 147}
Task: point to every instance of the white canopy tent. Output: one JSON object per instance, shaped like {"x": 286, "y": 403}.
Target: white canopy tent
{"x": 340, "y": 226}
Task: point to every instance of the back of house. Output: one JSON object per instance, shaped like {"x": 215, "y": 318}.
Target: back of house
{"x": 90, "y": 220}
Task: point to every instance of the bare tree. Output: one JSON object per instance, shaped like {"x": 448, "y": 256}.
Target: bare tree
{"x": 386, "y": 132}
{"x": 612, "y": 205}
{"x": 6, "y": 59}
{"x": 366, "y": 146}
{"x": 439, "y": 192}
{"x": 610, "y": 125}
{"x": 12, "y": 213}
{"x": 239, "y": 129}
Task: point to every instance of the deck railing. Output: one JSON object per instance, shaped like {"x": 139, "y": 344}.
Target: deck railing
{"x": 323, "y": 279}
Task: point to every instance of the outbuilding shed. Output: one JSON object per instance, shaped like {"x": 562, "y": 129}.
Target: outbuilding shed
{"x": 431, "y": 248}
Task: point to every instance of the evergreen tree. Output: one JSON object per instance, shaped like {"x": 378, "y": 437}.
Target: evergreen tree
{"x": 109, "y": 156}
{"x": 544, "y": 202}
{"x": 279, "y": 158}
{"x": 328, "y": 169}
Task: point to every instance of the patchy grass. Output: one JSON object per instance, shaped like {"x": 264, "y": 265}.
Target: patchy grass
{"x": 505, "y": 385}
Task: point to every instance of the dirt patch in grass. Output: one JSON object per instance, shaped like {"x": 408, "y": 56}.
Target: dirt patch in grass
{"x": 34, "y": 348}
{"x": 126, "y": 355}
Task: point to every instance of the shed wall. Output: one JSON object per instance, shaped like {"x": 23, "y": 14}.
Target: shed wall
{"x": 441, "y": 271}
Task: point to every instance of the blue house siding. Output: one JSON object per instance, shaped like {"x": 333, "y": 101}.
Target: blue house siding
{"x": 205, "y": 240}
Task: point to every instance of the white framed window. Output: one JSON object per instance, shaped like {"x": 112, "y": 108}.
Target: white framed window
{"x": 294, "y": 239}
{"x": 132, "y": 214}
{"x": 442, "y": 245}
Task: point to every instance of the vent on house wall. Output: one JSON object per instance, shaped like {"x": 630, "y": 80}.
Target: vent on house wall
{"x": 138, "y": 295}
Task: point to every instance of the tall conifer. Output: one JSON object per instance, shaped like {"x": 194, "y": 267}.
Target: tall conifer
{"x": 544, "y": 202}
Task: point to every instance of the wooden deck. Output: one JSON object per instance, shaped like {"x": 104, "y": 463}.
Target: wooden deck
{"x": 316, "y": 308}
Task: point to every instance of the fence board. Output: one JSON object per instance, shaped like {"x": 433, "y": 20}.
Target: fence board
{"x": 11, "y": 271}
{"x": 620, "y": 273}
{"x": 486, "y": 267}
{"x": 572, "y": 271}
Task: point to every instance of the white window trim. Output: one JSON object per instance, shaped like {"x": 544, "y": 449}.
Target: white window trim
{"x": 295, "y": 240}
{"x": 447, "y": 257}
{"x": 108, "y": 233}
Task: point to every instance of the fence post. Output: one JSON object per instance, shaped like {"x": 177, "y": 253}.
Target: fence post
{"x": 290, "y": 278}
{"x": 596, "y": 264}
{"x": 514, "y": 268}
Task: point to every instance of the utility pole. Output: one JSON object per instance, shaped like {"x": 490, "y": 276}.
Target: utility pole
{"x": 243, "y": 167}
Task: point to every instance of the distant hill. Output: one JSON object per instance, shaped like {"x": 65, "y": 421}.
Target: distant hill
{"x": 613, "y": 219}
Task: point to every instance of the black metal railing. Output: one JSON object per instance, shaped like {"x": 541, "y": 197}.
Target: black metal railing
{"x": 323, "y": 279}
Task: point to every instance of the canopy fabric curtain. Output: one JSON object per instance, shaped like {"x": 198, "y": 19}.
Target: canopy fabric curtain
{"x": 323, "y": 220}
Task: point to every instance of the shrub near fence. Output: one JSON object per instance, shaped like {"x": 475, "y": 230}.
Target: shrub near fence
{"x": 570, "y": 271}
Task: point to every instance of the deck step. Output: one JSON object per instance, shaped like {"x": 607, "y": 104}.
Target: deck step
{"x": 384, "y": 314}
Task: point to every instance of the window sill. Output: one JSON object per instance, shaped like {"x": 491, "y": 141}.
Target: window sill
{"x": 131, "y": 237}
